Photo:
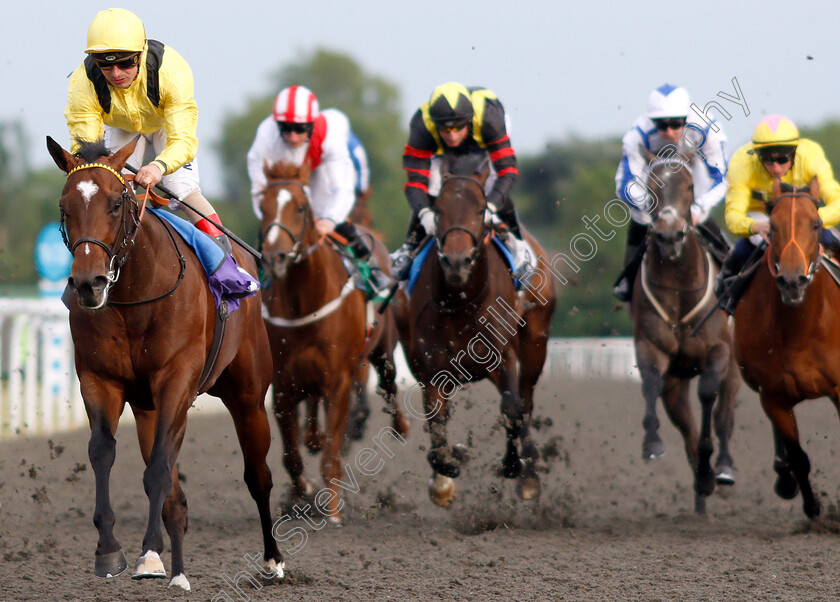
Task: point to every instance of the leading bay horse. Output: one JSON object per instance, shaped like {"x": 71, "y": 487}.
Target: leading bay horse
{"x": 672, "y": 293}
{"x": 142, "y": 319}
{"x": 464, "y": 322}
{"x": 787, "y": 332}
{"x": 321, "y": 330}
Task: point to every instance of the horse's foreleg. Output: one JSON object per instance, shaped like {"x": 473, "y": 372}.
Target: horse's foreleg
{"x": 652, "y": 387}
{"x": 386, "y": 372}
{"x": 784, "y": 422}
{"x": 786, "y": 486}
{"x": 445, "y": 460}
{"x": 174, "y": 507}
{"x": 360, "y": 408}
{"x": 286, "y": 412}
{"x": 532, "y": 353}
{"x": 507, "y": 383}
{"x": 724, "y": 420}
{"x": 338, "y": 406}
{"x": 312, "y": 438}
{"x": 110, "y": 558}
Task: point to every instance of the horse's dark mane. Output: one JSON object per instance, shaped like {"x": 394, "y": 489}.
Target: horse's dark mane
{"x": 465, "y": 165}
{"x": 91, "y": 150}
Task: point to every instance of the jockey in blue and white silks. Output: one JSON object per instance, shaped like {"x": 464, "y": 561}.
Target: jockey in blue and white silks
{"x": 669, "y": 127}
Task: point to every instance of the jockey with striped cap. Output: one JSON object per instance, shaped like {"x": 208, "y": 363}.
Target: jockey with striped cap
{"x": 669, "y": 127}
{"x": 459, "y": 120}
{"x": 298, "y": 131}
{"x": 130, "y": 85}
{"x": 776, "y": 151}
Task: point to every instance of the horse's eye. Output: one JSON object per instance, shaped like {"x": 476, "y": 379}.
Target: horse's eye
{"x": 818, "y": 224}
{"x": 117, "y": 205}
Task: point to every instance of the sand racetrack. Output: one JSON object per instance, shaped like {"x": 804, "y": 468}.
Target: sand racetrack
{"x": 607, "y": 527}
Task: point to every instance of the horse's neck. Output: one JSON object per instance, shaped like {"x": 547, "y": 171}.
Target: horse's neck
{"x": 687, "y": 272}
{"x": 310, "y": 284}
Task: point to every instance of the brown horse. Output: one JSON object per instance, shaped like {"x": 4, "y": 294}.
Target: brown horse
{"x": 142, "y": 319}
{"x": 673, "y": 292}
{"x": 319, "y": 329}
{"x": 464, "y": 322}
{"x": 787, "y": 332}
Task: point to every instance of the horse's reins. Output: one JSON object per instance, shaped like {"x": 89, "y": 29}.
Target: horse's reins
{"x": 115, "y": 264}
{"x": 298, "y": 253}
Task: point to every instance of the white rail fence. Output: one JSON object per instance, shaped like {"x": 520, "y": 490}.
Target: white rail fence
{"x": 39, "y": 391}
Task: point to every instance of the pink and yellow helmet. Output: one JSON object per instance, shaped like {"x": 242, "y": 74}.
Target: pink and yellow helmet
{"x": 775, "y": 130}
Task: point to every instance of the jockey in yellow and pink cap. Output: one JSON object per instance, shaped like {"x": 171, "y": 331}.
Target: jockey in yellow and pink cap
{"x": 776, "y": 151}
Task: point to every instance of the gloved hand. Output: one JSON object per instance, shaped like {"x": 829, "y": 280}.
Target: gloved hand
{"x": 491, "y": 216}
{"x": 427, "y": 220}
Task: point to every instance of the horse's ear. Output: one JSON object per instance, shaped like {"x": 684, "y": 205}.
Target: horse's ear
{"x": 62, "y": 158}
{"x": 815, "y": 188}
{"x": 120, "y": 157}
{"x": 305, "y": 170}
{"x": 649, "y": 156}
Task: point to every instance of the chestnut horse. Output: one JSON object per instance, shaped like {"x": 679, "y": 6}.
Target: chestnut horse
{"x": 142, "y": 319}
{"x": 465, "y": 322}
{"x": 787, "y": 332}
{"x": 673, "y": 293}
{"x": 318, "y": 326}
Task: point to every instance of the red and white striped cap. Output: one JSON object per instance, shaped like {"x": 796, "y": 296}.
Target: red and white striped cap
{"x": 296, "y": 104}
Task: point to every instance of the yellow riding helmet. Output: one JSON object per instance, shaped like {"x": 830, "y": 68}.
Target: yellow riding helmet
{"x": 775, "y": 130}
{"x": 116, "y": 29}
{"x": 450, "y": 103}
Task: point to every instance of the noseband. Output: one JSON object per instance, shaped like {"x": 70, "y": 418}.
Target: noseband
{"x": 117, "y": 254}
{"x": 298, "y": 253}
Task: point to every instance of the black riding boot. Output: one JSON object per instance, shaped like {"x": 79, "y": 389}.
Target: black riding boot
{"x": 402, "y": 257}
{"x": 634, "y": 252}
{"x": 363, "y": 257}
{"x": 732, "y": 282}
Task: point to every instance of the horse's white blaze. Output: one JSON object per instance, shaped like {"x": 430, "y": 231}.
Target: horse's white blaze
{"x": 87, "y": 248}
{"x": 283, "y": 197}
{"x": 180, "y": 581}
{"x": 669, "y": 215}
{"x": 87, "y": 189}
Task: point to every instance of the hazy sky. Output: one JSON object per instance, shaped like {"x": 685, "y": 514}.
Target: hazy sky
{"x": 560, "y": 68}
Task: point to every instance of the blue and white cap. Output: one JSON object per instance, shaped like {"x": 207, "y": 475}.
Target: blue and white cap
{"x": 668, "y": 101}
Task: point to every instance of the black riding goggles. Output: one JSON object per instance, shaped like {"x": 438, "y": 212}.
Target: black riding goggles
{"x": 669, "y": 124}
{"x": 776, "y": 158}
{"x": 108, "y": 62}
{"x": 288, "y": 127}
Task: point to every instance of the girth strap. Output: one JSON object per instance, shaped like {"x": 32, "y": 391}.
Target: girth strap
{"x": 222, "y": 316}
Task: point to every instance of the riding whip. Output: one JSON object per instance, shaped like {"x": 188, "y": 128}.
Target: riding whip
{"x": 230, "y": 234}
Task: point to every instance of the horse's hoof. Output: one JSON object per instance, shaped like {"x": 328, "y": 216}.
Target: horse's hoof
{"x": 335, "y": 520}
{"x": 443, "y": 462}
{"x": 786, "y": 487}
{"x": 149, "y": 566}
{"x": 528, "y": 488}
{"x": 700, "y": 505}
{"x": 180, "y": 581}
{"x": 652, "y": 450}
{"x": 442, "y": 490}
{"x": 510, "y": 470}
{"x": 461, "y": 453}
{"x": 276, "y": 569}
{"x": 111, "y": 564}
{"x": 725, "y": 475}
{"x": 811, "y": 508}
{"x": 314, "y": 443}
{"x": 356, "y": 424}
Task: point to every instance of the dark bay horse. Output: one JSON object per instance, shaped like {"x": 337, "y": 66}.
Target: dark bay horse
{"x": 464, "y": 322}
{"x": 142, "y": 319}
{"x": 787, "y": 332}
{"x": 320, "y": 330}
{"x": 673, "y": 292}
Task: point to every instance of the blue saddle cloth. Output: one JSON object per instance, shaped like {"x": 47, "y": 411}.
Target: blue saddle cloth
{"x": 423, "y": 254}
{"x": 226, "y": 279}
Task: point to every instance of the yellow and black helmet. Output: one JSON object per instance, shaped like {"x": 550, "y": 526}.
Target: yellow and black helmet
{"x": 450, "y": 105}
{"x": 116, "y": 30}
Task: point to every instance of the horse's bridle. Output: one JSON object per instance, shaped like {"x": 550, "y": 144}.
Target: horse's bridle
{"x": 814, "y": 265}
{"x": 477, "y": 240}
{"x": 118, "y": 255}
{"x": 298, "y": 253}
